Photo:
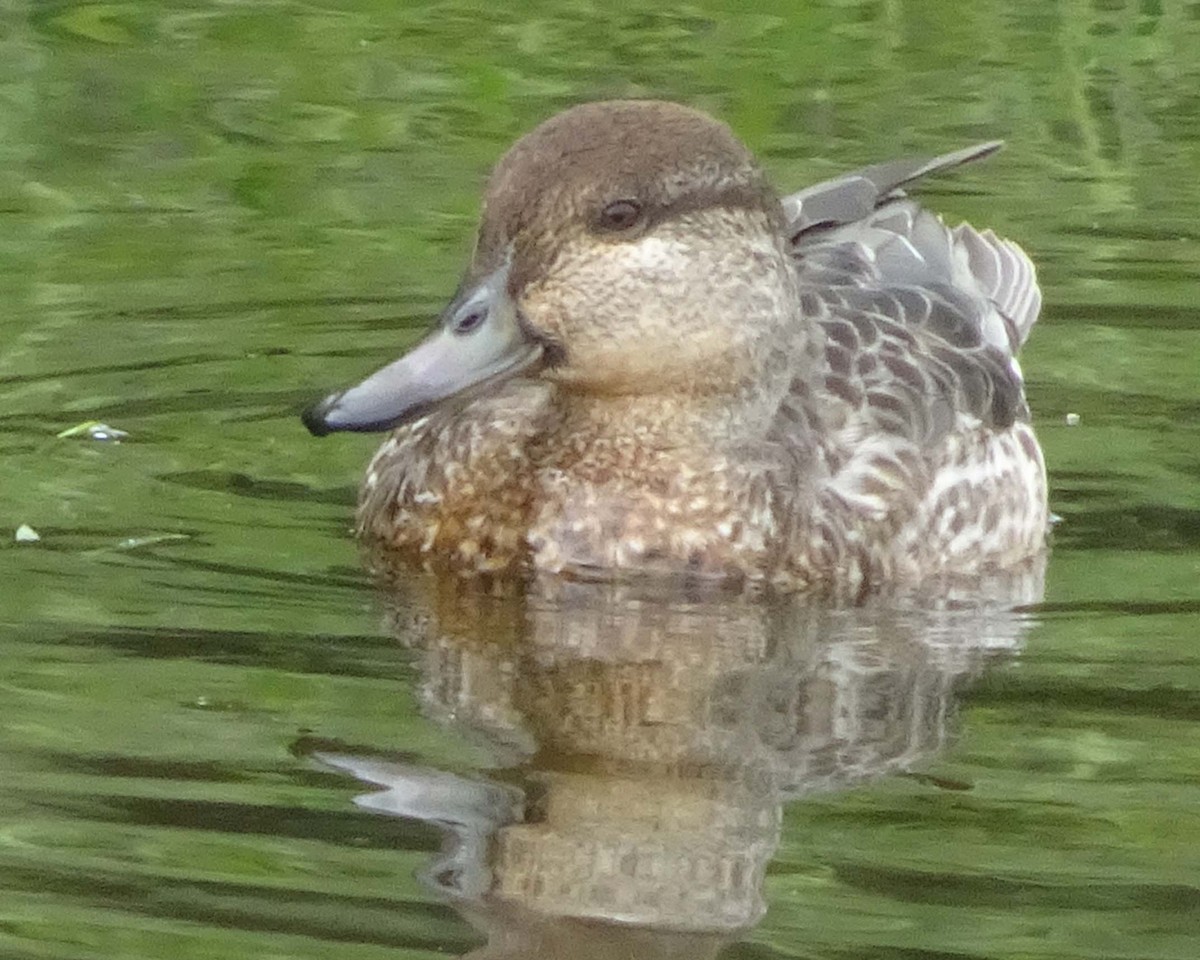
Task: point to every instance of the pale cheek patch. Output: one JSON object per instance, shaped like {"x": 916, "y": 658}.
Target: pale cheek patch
{"x": 658, "y": 255}
{"x": 651, "y": 255}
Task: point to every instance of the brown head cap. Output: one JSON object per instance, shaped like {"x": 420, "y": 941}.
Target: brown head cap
{"x": 663, "y": 158}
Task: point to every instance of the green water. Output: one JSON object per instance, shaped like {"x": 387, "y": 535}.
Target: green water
{"x": 212, "y": 212}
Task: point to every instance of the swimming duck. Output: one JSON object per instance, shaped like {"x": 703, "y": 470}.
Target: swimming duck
{"x": 654, "y": 363}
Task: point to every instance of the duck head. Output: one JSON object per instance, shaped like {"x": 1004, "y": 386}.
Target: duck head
{"x": 626, "y": 248}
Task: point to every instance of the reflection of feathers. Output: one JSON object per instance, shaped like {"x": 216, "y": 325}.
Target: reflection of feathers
{"x": 816, "y": 697}
{"x": 665, "y": 726}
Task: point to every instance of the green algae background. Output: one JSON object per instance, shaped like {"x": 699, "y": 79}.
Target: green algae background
{"x": 212, "y": 212}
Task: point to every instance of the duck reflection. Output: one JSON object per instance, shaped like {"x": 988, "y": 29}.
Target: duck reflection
{"x": 647, "y": 736}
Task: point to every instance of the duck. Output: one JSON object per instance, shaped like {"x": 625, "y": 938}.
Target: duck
{"x": 656, "y": 364}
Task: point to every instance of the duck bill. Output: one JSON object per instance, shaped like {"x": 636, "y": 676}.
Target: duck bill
{"x": 479, "y": 344}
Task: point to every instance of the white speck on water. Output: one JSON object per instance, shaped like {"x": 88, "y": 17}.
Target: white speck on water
{"x": 94, "y": 430}
{"x": 26, "y": 534}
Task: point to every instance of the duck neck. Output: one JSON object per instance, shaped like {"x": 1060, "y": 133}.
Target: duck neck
{"x": 657, "y": 423}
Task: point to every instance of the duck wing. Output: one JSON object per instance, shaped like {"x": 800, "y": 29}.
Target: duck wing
{"x": 922, "y": 322}
{"x": 855, "y": 196}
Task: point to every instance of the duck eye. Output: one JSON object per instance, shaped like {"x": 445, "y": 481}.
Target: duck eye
{"x": 619, "y": 215}
{"x": 470, "y": 322}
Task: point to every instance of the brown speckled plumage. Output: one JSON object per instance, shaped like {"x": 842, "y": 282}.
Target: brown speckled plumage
{"x": 819, "y": 390}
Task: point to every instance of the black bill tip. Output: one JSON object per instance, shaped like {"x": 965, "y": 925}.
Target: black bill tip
{"x": 314, "y": 417}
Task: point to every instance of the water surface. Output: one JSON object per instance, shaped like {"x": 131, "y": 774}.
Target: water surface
{"x": 213, "y": 212}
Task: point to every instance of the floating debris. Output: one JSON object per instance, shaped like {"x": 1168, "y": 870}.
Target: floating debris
{"x": 942, "y": 783}
{"x": 26, "y": 534}
{"x": 1072, "y": 419}
{"x": 94, "y": 430}
{"x": 135, "y": 543}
